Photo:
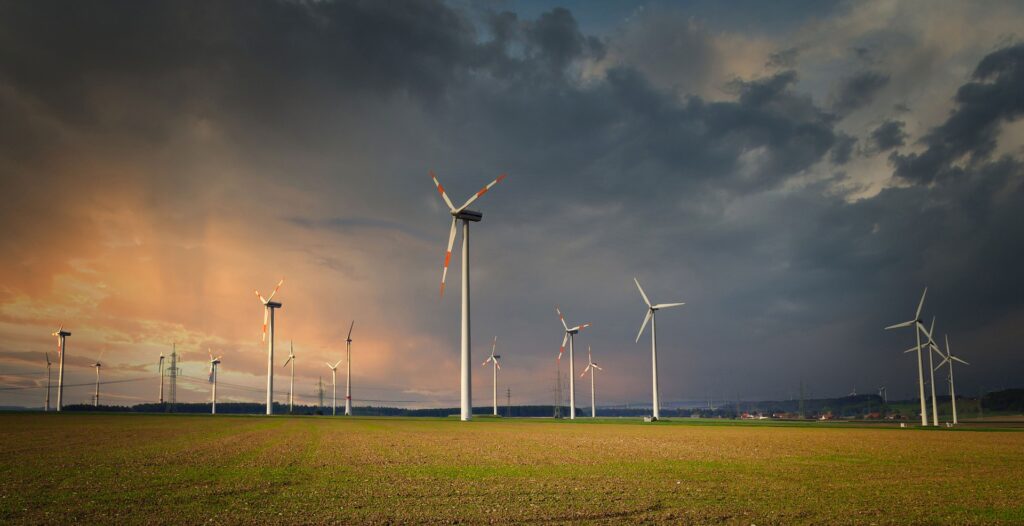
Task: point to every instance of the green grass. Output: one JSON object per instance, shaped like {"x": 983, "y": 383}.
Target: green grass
{"x": 198, "y": 469}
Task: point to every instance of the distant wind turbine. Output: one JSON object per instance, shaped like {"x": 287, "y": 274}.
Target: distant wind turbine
{"x": 348, "y": 370}
{"x": 650, "y": 316}
{"x": 949, "y": 358}
{"x": 466, "y": 216}
{"x": 918, "y": 329}
{"x": 493, "y": 360}
{"x": 291, "y": 383}
{"x": 61, "y": 335}
{"x": 334, "y": 386}
{"x": 96, "y": 397}
{"x": 268, "y": 325}
{"x": 593, "y": 368}
{"x": 882, "y": 394}
{"x": 47, "y": 381}
{"x": 161, "y": 368}
{"x": 214, "y": 362}
{"x": 570, "y": 335}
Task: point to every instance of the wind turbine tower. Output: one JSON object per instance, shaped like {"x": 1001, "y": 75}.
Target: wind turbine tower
{"x": 348, "y": 370}
{"x": 918, "y": 329}
{"x": 570, "y": 335}
{"x": 161, "y": 368}
{"x": 268, "y": 325}
{"x": 650, "y": 316}
{"x": 291, "y": 383}
{"x": 214, "y": 362}
{"x": 334, "y": 386}
{"x": 467, "y": 216}
{"x": 61, "y": 335}
{"x": 493, "y": 360}
{"x": 96, "y": 397}
{"x": 593, "y": 368}
{"x": 47, "y": 381}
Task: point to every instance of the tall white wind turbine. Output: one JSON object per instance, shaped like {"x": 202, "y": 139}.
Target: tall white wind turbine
{"x": 268, "y": 325}
{"x": 291, "y": 383}
{"x": 593, "y": 368}
{"x": 949, "y": 358}
{"x": 467, "y": 216}
{"x": 932, "y": 348}
{"x": 570, "y": 335}
{"x": 651, "y": 310}
{"x": 334, "y": 386}
{"x": 161, "y": 368}
{"x": 47, "y": 381}
{"x": 214, "y": 362}
{"x": 348, "y": 370}
{"x": 61, "y": 335}
{"x": 493, "y": 360}
{"x": 918, "y": 329}
{"x": 96, "y": 397}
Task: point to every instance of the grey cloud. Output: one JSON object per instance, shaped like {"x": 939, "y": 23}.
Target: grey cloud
{"x": 857, "y": 91}
{"x": 888, "y": 135}
{"x": 842, "y": 150}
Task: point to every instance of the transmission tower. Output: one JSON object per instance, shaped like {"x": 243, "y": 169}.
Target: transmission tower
{"x": 320, "y": 392}
{"x": 508, "y": 405}
{"x": 172, "y": 392}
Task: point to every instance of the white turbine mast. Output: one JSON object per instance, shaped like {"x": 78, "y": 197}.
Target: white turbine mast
{"x": 268, "y": 326}
{"x": 348, "y": 370}
{"x": 61, "y": 335}
{"x": 493, "y": 360}
{"x": 291, "y": 383}
{"x": 334, "y": 386}
{"x": 882, "y": 394}
{"x": 918, "y": 329}
{"x": 593, "y": 368}
{"x": 650, "y": 316}
{"x": 570, "y": 335}
{"x": 949, "y": 358}
{"x": 932, "y": 348}
{"x": 161, "y": 369}
{"x": 467, "y": 216}
{"x": 214, "y": 362}
{"x": 96, "y": 397}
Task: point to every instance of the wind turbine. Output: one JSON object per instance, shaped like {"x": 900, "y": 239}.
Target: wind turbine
{"x": 161, "y": 367}
{"x": 96, "y": 397}
{"x": 268, "y": 321}
{"x": 291, "y": 383}
{"x": 949, "y": 358}
{"x": 932, "y": 348}
{"x": 651, "y": 310}
{"x": 493, "y": 360}
{"x": 47, "y": 381}
{"x": 61, "y": 335}
{"x": 466, "y": 216}
{"x": 334, "y": 386}
{"x": 918, "y": 328}
{"x": 570, "y": 334}
{"x": 214, "y": 362}
{"x": 882, "y": 394}
{"x": 348, "y": 370}
{"x": 593, "y": 368}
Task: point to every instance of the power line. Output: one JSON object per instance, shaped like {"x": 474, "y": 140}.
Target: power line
{"x": 90, "y": 384}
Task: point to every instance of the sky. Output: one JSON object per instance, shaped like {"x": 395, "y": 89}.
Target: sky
{"x": 796, "y": 172}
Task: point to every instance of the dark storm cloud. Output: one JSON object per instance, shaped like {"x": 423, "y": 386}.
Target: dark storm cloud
{"x": 857, "y": 91}
{"x": 995, "y": 96}
{"x": 609, "y": 174}
{"x": 888, "y": 135}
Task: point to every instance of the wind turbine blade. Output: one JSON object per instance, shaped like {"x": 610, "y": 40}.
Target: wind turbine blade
{"x": 642, "y": 293}
{"x": 920, "y": 304}
{"x": 643, "y": 325}
{"x": 580, "y": 327}
{"x": 47, "y": 358}
{"x": 498, "y": 365}
{"x": 920, "y": 326}
{"x": 286, "y": 362}
{"x": 487, "y": 361}
{"x": 350, "y": 330}
{"x": 943, "y": 362}
{"x": 494, "y": 345}
{"x": 562, "y": 318}
{"x": 440, "y": 190}
{"x": 901, "y": 325}
{"x": 329, "y": 365}
{"x": 210, "y": 354}
{"x": 266, "y": 318}
{"x": 589, "y": 359}
{"x": 481, "y": 192}
{"x": 912, "y": 349}
{"x": 596, "y": 367}
{"x": 260, "y": 296}
{"x": 667, "y": 305}
{"x": 448, "y": 254}
{"x": 278, "y": 287}
{"x": 584, "y": 373}
{"x": 959, "y": 360}
{"x": 561, "y": 349}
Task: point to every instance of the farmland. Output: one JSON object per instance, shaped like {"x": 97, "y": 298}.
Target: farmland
{"x": 174, "y": 469}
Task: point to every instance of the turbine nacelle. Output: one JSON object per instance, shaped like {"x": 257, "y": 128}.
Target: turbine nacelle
{"x": 467, "y": 215}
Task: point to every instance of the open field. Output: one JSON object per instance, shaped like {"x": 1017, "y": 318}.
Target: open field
{"x": 241, "y": 469}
